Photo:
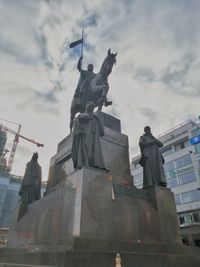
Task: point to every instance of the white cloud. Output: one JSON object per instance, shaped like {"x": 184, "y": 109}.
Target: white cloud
{"x": 156, "y": 79}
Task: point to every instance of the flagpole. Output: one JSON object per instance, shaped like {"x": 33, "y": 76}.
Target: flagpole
{"x": 82, "y": 43}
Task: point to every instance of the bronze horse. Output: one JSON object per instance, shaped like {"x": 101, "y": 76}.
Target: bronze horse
{"x": 96, "y": 90}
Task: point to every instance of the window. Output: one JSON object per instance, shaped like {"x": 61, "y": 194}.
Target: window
{"x": 181, "y": 219}
{"x": 169, "y": 166}
{"x": 197, "y": 148}
{"x": 181, "y": 162}
{"x": 188, "y": 168}
{"x": 177, "y": 148}
{"x": 181, "y": 145}
{"x": 189, "y": 217}
{"x": 185, "y": 218}
{"x": 167, "y": 151}
{"x": 196, "y": 216}
{"x": 196, "y": 132}
{"x": 178, "y": 199}
{"x": 181, "y": 179}
{"x": 169, "y": 169}
{"x": 186, "y": 143}
{"x": 187, "y": 197}
{"x": 187, "y": 178}
{"x": 191, "y": 196}
{"x": 172, "y": 182}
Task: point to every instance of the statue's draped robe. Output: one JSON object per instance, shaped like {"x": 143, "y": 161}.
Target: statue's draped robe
{"x": 30, "y": 189}
{"x": 86, "y": 146}
{"x": 151, "y": 161}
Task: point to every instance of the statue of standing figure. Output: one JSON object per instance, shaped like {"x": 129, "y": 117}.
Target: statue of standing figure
{"x": 30, "y": 189}
{"x": 151, "y": 160}
{"x": 86, "y": 146}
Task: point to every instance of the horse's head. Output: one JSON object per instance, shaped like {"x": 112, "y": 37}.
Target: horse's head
{"x": 108, "y": 63}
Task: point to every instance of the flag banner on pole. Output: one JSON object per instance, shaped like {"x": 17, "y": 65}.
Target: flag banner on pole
{"x": 76, "y": 43}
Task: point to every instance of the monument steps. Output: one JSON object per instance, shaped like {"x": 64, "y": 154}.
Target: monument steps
{"x": 86, "y": 244}
{"x": 23, "y": 257}
{"x": 3, "y": 264}
{"x": 107, "y": 259}
{"x": 95, "y": 253}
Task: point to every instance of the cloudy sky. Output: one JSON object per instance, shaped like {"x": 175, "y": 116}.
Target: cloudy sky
{"x": 156, "y": 80}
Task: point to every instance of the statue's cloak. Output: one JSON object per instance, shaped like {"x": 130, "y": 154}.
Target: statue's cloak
{"x": 30, "y": 189}
{"x": 86, "y": 147}
{"x": 151, "y": 161}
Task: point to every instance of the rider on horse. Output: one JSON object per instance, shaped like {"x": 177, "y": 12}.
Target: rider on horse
{"x": 85, "y": 78}
{"x": 92, "y": 87}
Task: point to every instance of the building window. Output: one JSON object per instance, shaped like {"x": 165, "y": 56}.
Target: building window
{"x": 196, "y": 216}
{"x": 191, "y": 196}
{"x": 167, "y": 151}
{"x": 172, "y": 182}
{"x": 197, "y": 148}
{"x": 177, "y": 148}
{"x": 186, "y": 143}
{"x": 183, "y": 161}
{"x": 196, "y": 132}
{"x": 199, "y": 163}
{"x": 169, "y": 169}
{"x": 181, "y": 220}
{"x": 186, "y": 178}
{"x": 169, "y": 166}
{"x": 181, "y": 145}
{"x": 188, "y": 218}
{"x": 178, "y": 199}
{"x": 192, "y": 217}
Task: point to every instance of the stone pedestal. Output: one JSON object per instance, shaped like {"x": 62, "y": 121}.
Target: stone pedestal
{"x": 88, "y": 216}
{"x": 115, "y": 152}
{"x": 81, "y": 225}
{"x": 144, "y": 214}
{"x": 80, "y": 207}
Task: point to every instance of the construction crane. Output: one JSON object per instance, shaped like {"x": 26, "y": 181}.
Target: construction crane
{"x": 15, "y": 142}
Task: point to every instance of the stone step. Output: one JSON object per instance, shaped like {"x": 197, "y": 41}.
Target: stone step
{"x": 107, "y": 259}
{"x": 4, "y": 264}
{"x": 22, "y": 257}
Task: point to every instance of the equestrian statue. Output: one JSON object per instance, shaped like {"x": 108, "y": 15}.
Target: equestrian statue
{"x": 92, "y": 87}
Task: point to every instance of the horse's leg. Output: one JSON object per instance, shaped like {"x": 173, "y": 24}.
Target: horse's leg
{"x": 98, "y": 95}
